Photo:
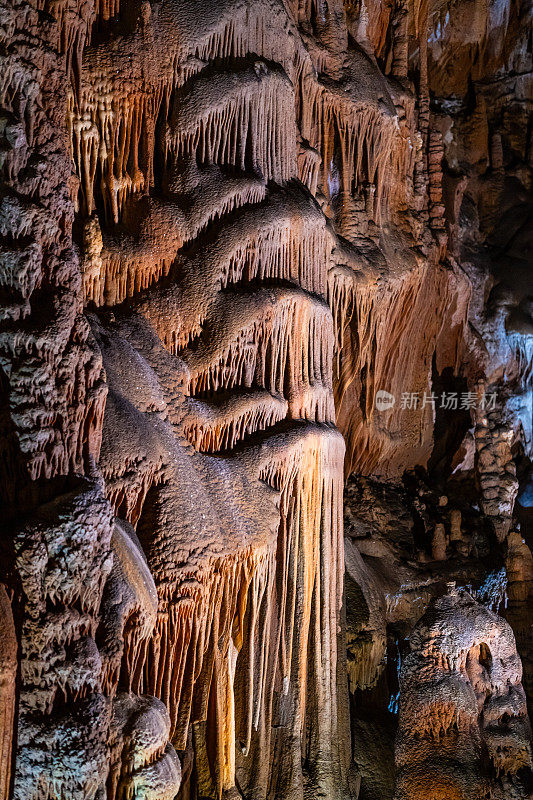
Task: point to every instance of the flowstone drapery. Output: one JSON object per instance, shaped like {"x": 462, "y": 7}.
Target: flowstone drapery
{"x": 225, "y": 228}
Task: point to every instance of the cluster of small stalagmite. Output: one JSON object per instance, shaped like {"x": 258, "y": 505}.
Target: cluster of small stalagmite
{"x": 228, "y": 229}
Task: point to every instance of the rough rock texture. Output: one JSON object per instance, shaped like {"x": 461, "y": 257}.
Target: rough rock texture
{"x": 8, "y": 674}
{"x": 463, "y": 726}
{"x": 248, "y": 246}
{"x": 445, "y": 463}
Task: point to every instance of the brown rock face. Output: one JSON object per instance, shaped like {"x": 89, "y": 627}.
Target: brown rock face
{"x": 248, "y": 247}
{"x": 463, "y": 726}
{"x": 8, "y": 674}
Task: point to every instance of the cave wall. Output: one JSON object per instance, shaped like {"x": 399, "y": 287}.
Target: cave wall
{"x": 224, "y": 229}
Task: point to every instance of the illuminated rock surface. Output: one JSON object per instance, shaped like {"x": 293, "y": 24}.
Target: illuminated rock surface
{"x": 463, "y": 727}
{"x": 227, "y": 229}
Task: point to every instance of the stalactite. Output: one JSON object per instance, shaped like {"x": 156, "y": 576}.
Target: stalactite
{"x": 364, "y": 315}
{"x": 371, "y": 148}
{"x": 216, "y": 115}
{"x": 366, "y": 666}
{"x": 522, "y": 349}
{"x": 309, "y": 167}
{"x": 285, "y": 239}
{"x": 341, "y": 298}
{"x": 121, "y": 267}
{"x": 366, "y": 633}
{"x": 112, "y": 123}
{"x": 293, "y": 247}
{"x": 106, "y": 9}
{"x": 74, "y": 20}
{"x": 250, "y": 29}
{"x": 305, "y": 467}
{"x": 381, "y": 355}
{"x": 211, "y": 427}
{"x": 128, "y": 496}
{"x": 197, "y": 612}
{"x": 401, "y": 40}
{"x": 351, "y": 277}
{"x": 209, "y": 599}
{"x": 267, "y": 241}
{"x": 112, "y": 133}
{"x": 286, "y": 341}
{"x": 241, "y": 157}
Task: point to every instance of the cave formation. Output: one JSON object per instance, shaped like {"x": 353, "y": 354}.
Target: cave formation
{"x": 266, "y": 400}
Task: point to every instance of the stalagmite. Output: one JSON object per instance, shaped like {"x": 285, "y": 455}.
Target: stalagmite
{"x": 460, "y": 693}
{"x": 496, "y": 468}
{"x": 401, "y": 41}
{"x": 519, "y": 567}
{"x": 438, "y": 543}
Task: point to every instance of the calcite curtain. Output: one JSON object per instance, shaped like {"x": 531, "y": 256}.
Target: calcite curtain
{"x": 225, "y": 227}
